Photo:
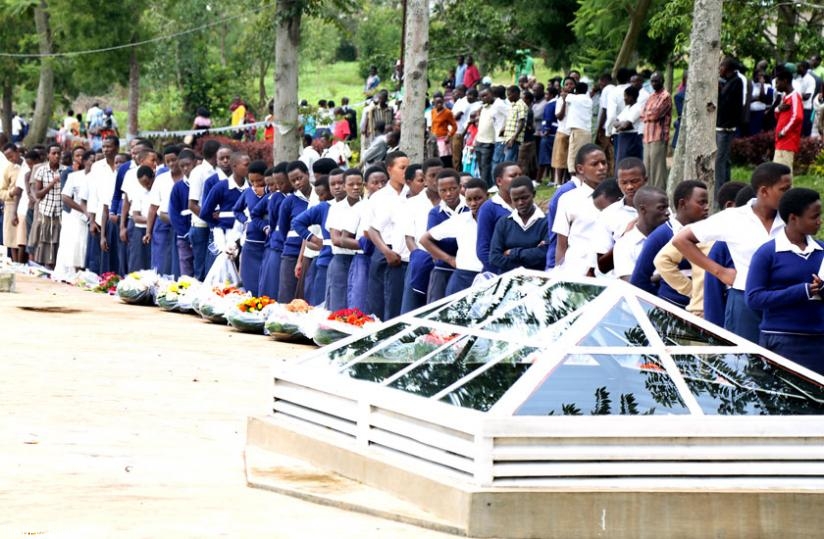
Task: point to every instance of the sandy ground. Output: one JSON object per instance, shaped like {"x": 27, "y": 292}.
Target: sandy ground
{"x": 123, "y": 421}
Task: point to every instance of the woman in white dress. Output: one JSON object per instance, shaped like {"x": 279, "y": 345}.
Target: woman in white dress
{"x": 71, "y": 253}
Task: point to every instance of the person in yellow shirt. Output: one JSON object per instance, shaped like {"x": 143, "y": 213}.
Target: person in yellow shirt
{"x": 238, "y": 110}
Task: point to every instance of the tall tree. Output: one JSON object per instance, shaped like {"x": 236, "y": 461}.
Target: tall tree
{"x": 45, "y": 87}
{"x": 287, "y": 141}
{"x": 415, "y": 65}
{"x": 698, "y": 123}
{"x": 637, "y": 16}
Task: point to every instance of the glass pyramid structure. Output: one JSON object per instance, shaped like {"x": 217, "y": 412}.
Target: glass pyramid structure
{"x": 527, "y": 345}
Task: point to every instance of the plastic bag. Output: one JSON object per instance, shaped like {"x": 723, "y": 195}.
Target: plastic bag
{"x": 289, "y": 322}
{"x": 223, "y": 273}
{"x": 138, "y": 288}
{"x": 248, "y": 321}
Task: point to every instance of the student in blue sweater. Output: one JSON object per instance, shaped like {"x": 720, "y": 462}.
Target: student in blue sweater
{"x": 267, "y": 209}
{"x": 292, "y": 206}
{"x": 519, "y": 239}
{"x": 496, "y": 207}
{"x": 691, "y": 203}
{"x": 317, "y": 215}
{"x": 251, "y": 256}
{"x": 179, "y": 214}
{"x": 784, "y": 283}
{"x": 217, "y": 208}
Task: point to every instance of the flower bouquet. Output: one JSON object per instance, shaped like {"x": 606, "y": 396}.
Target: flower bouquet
{"x": 249, "y": 316}
{"x": 295, "y": 320}
{"x": 107, "y": 283}
{"x": 138, "y": 287}
{"x": 178, "y": 295}
{"x": 213, "y": 304}
{"x": 341, "y": 324}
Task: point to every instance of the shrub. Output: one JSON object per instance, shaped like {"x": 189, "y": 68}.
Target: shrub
{"x": 757, "y": 149}
{"x": 256, "y": 150}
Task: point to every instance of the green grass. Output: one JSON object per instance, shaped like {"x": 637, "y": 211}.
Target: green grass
{"x": 742, "y": 174}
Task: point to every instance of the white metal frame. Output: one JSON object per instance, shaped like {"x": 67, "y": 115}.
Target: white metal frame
{"x": 498, "y": 449}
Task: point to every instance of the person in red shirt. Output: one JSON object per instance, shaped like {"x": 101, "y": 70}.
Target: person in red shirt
{"x": 472, "y": 76}
{"x": 789, "y": 119}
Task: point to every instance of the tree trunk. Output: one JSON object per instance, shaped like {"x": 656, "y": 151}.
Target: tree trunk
{"x": 697, "y": 134}
{"x": 263, "y": 68}
{"x": 287, "y": 43}
{"x": 636, "y": 21}
{"x": 8, "y": 105}
{"x": 785, "y": 33}
{"x": 134, "y": 93}
{"x": 669, "y": 76}
{"x": 45, "y": 88}
{"x": 415, "y": 63}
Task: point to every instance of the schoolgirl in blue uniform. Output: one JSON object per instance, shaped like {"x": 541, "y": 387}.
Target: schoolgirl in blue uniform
{"x": 251, "y": 256}
{"x": 317, "y": 215}
{"x": 268, "y": 209}
{"x": 292, "y": 206}
{"x": 784, "y": 283}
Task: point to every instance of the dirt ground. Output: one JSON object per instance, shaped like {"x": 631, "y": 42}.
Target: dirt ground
{"x": 124, "y": 421}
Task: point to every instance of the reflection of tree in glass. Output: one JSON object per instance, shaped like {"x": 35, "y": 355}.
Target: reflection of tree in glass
{"x": 563, "y": 298}
{"x": 483, "y": 391}
{"x": 603, "y": 405}
{"x": 362, "y": 345}
{"x": 742, "y": 384}
{"x": 677, "y": 331}
{"x": 660, "y": 384}
{"x": 449, "y": 366}
{"x": 602, "y": 402}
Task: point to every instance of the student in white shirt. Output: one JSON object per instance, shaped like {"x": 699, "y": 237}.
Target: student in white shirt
{"x": 199, "y": 234}
{"x": 629, "y": 128}
{"x": 388, "y": 267}
{"x": 653, "y": 211}
{"x": 744, "y": 229}
{"x": 158, "y": 226}
{"x": 71, "y": 253}
{"x": 617, "y": 218}
{"x": 578, "y": 121}
{"x": 577, "y": 216}
{"x": 136, "y": 206}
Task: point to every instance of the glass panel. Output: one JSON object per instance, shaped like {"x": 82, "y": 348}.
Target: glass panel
{"x": 342, "y": 355}
{"x": 411, "y": 347}
{"x": 493, "y": 301}
{"x": 618, "y": 328}
{"x": 482, "y": 392}
{"x": 537, "y": 312}
{"x": 748, "y": 384}
{"x": 677, "y": 331}
{"x": 606, "y": 384}
{"x": 450, "y": 365}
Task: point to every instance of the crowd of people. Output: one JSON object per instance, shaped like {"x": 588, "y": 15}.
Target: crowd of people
{"x": 388, "y": 236}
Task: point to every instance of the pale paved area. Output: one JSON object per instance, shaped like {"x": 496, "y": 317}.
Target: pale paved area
{"x": 123, "y": 421}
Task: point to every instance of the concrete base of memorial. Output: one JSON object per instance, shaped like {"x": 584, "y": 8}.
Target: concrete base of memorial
{"x": 286, "y": 458}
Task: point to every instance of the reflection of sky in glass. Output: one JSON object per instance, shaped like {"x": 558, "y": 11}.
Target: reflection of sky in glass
{"x": 605, "y": 384}
{"x": 617, "y": 328}
{"x": 677, "y": 331}
{"x": 748, "y": 384}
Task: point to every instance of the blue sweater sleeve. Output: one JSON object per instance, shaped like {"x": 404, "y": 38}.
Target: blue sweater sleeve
{"x": 715, "y": 292}
{"x": 260, "y": 209}
{"x": 240, "y": 205}
{"x": 285, "y": 217}
{"x": 486, "y": 228}
{"x": 496, "y": 248}
{"x": 760, "y": 293}
{"x": 210, "y": 204}
{"x": 304, "y": 220}
{"x": 644, "y": 266}
{"x": 531, "y": 257}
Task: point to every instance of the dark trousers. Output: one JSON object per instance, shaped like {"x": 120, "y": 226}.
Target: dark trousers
{"x": 803, "y": 349}
{"x": 199, "y": 238}
{"x": 739, "y": 318}
{"x": 337, "y": 282}
{"x": 723, "y": 143}
{"x": 460, "y": 280}
{"x": 140, "y": 254}
{"x": 109, "y": 261}
{"x": 483, "y": 153}
{"x": 316, "y": 288}
{"x": 357, "y": 297}
{"x": 287, "y": 283}
{"x": 393, "y": 290}
{"x": 269, "y": 278}
{"x": 161, "y": 247}
{"x": 93, "y": 253}
{"x": 185, "y": 256}
{"x": 807, "y": 126}
{"x": 374, "y": 286}
{"x": 438, "y": 280}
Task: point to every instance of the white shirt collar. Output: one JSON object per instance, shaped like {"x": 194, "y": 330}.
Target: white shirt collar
{"x": 536, "y": 215}
{"x": 783, "y": 244}
{"x": 233, "y": 184}
{"x": 460, "y": 208}
{"x": 496, "y": 199}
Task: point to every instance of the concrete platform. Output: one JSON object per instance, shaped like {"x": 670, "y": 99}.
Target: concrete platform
{"x": 341, "y": 475}
{"x": 128, "y": 422}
